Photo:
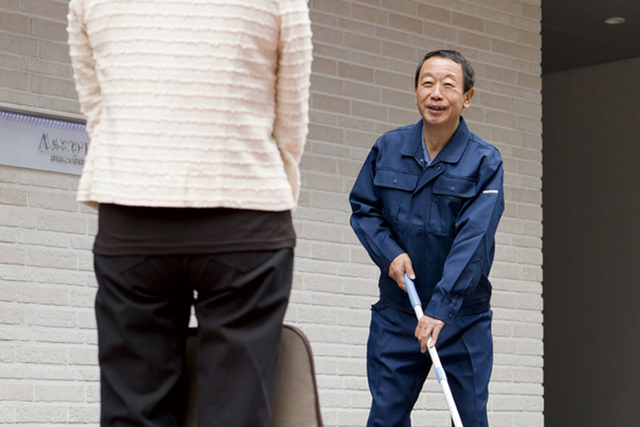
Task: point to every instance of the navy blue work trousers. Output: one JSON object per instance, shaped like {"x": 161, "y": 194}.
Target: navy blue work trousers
{"x": 397, "y": 369}
{"x": 143, "y": 307}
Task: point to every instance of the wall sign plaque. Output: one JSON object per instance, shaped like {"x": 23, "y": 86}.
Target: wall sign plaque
{"x": 39, "y": 142}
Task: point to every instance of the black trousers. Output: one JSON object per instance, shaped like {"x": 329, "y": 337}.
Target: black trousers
{"x": 142, "y": 310}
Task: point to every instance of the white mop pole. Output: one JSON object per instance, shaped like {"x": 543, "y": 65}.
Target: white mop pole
{"x": 440, "y": 374}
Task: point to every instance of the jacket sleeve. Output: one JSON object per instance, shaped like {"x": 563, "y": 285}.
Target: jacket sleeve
{"x": 373, "y": 231}
{"x": 292, "y": 87}
{"x": 471, "y": 254}
{"x": 84, "y": 66}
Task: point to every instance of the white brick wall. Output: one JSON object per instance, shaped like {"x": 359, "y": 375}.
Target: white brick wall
{"x": 365, "y": 55}
{"x": 48, "y": 364}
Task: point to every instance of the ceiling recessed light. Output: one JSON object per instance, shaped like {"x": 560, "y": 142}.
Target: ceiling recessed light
{"x": 614, "y": 20}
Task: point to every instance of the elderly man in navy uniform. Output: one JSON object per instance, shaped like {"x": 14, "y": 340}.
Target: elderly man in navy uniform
{"x": 427, "y": 202}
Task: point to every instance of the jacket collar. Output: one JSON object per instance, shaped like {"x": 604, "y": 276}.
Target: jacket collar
{"x": 450, "y": 153}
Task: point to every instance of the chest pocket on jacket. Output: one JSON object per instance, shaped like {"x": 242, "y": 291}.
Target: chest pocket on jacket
{"x": 450, "y": 193}
{"x": 395, "y": 189}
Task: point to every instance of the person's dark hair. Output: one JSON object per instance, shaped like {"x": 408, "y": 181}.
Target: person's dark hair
{"x": 467, "y": 70}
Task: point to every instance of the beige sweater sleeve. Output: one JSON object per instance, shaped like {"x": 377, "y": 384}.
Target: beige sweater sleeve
{"x": 84, "y": 66}
{"x": 292, "y": 88}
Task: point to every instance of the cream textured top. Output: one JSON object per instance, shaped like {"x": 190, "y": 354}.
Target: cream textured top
{"x": 192, "y": 103}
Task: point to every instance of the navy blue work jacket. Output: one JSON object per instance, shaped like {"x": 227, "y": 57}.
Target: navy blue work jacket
{"x": 444, "y": 216}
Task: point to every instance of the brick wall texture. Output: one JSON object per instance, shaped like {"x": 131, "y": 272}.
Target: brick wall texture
{"x": 365, "y": 53}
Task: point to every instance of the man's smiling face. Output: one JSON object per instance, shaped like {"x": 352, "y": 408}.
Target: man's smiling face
{"x": 440, "y": 94}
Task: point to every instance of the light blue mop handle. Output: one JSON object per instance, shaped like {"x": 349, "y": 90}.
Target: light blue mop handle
{"x": 413, "y": 296}
{"x": 440, "y": 374}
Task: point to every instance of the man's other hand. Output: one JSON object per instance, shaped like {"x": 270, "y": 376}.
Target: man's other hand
{"x": 428, "y": 327}
{"x": 400, "y": 265}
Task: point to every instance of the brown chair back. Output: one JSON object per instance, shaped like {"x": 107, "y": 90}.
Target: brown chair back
{"x": 296, "y": 402}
